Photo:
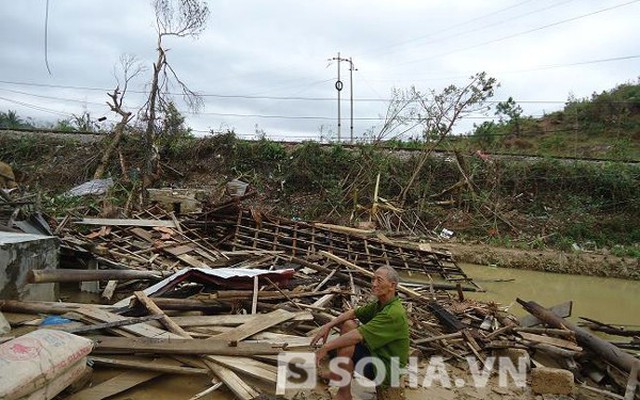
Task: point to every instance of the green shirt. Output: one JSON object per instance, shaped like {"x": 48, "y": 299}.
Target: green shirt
{"x": 386, "y": 333}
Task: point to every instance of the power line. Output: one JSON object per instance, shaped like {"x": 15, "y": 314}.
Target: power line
{"x": 306, "y": 98}
{"x": 442, "y": 39}
{"x": 451, "y": 27}
{"x": 37, "y": 108}
{"x": 521, "y": 101}
{"x": 311, "y": 117}
{"x": 523, "y": 32}
{"x": 602, "y": 60}
{"x": 52, "y": 97}
{"x": 237, "y": 115}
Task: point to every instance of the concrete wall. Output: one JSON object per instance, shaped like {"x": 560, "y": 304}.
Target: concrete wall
{"x": 20, "y": 253}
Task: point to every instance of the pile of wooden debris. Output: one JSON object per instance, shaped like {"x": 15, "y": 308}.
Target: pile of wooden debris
{"x": 222, "y": 292}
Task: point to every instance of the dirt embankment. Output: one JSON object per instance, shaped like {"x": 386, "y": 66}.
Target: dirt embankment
{"x": 581, "y": 263}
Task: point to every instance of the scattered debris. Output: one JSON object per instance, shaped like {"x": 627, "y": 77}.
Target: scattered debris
{"x": 446, "y": 233}
{"x": 237, "y": 188}
{"x": 92, "y": 187}
{"x": 223, "y": 291}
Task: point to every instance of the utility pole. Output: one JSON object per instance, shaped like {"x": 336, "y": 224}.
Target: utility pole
{"x": 351, "y": 69}
{"x": 339, "y": 86}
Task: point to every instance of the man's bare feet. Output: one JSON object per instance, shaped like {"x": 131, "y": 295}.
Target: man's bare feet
{"x": 324, "y": 374}
{"x": 344, "y": 393}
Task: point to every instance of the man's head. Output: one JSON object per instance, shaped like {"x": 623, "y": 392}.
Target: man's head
{"x": 384, "y": 283}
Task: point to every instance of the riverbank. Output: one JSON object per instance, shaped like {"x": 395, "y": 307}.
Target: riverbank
{"x": 578, "y": 263}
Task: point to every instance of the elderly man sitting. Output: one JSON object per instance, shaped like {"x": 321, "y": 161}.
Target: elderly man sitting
{"x": 381, "y": 340}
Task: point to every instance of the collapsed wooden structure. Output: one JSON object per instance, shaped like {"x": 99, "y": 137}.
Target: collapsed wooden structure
{"x": 221, "y": 293}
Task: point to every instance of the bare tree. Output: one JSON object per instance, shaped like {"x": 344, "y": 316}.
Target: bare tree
{"x": 179, "y": 18}
{"x": 400, "y": 114}
{"x": 438, "y": 113}
{"x": 130, "y": 68}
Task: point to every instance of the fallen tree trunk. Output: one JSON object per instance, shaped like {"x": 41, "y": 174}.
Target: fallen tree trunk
{"x": 606, "y": 350}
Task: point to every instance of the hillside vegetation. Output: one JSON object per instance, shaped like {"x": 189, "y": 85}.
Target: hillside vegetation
{"x": 513, "y": 202}
{"x": 605, "y": 126}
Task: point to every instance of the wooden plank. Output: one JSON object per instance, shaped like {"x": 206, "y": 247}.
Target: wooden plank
{"x": 257, "y": 325}
{"x": 280, "y": 339}
{"x": 115, "y": 324}
{"x": 44, "y": 307}
{"x": 249, "y": 366}
{"x": 165, "y": 365}
{"x": 324, "y": 300}
{"x": 194, "y": 262}
{"x": 206, "y": 254}
{"x": 254, "y": 301}
{"x": 164, "y": 319}
{"x": 126, "y": 222}
{"x": 175, "y": 221}
{"x": 115, "y": 385}
{"x": 139, "y": 329}
{"x": 143, "y": 234}
{"x": 565, "y": 344}
{"x": 108, "y": 291}
{"x": 602, "y": 348}
{"x": 80, "y": 275}
{"x": 264, "y": 294}
{"x": 325, "y": 280}
{"x": 233, "y": 381}
{"x": 178, "y": 250}
{"x": 346, "y": 229}
{"x": 177, "y": 345}
{"x": 230, "y": 320}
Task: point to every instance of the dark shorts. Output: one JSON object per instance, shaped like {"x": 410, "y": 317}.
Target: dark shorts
{"x": 361, "y": 351}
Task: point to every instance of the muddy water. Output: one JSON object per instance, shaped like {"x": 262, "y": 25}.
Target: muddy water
{"x": 609, "y": 300}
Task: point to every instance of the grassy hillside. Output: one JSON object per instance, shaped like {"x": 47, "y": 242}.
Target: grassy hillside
{"x": 605, "y": 126}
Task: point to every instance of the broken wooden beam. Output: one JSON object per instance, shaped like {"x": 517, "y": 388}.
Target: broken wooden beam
{"x": 126, "y": 222}
{"x": 175, "y": 346}
{"x": 164, "y": 319}
{"x": 165, "y": 366}
{"x": 604, "y": 349}
{"x": 108, "y": 325}
{"x": 45, "y": 307}
{"x": 81, "y": 275}
{"x": 108, "y": 291}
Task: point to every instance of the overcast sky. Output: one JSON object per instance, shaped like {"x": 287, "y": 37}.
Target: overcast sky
{"x": 264, "y": 64}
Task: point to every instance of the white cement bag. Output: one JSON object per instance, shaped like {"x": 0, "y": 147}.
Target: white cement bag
{"x": 30, "y": 362}
{"x": 58, "y": 384}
